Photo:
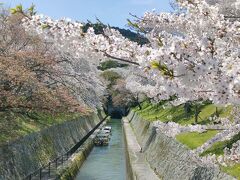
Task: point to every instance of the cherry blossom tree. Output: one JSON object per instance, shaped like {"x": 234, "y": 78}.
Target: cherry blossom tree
{"x": 193, "y": 54}
{"x": 36, "y": 75}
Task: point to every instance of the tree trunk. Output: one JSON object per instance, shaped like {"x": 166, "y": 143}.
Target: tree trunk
{"x": 139, "y": 105}
{"x": 187, "y": 109}
{"x": 196, "y": 114}
{"x": 217, "y": 114}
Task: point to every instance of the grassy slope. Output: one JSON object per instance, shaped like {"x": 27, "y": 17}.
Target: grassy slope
{"x": 194, "y": 139}
{"x": 218, "y": 147}
{"x": 232, "y": 170}
{"x": 176, "y": 114}
{"x": 13, "y": 126}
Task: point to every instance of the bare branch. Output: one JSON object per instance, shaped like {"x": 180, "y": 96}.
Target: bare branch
{"x": 121, "y": 59}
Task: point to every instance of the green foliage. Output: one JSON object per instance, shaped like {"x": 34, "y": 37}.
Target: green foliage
{"x": 163, "y": 69}
{"x": 45, "y": 26}
{"x": 19, "y": 9}
{"x": 195, "y": 139}
{"x": 111, "y": 64}
{"x": 134, "y": 25}
{"x": 13, "y": 11}
{"x": 232, "y": 170}
{"x": 218, "y": 147}
{"x": 31, "y": 10}
{"x": 111, "y": 76}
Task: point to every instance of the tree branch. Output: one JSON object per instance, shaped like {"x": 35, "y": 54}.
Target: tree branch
{"x": 231, "y": 17}
{"x": 121, "y": 59}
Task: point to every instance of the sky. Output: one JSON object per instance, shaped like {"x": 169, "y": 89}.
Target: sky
{"x": 113, "y": 12}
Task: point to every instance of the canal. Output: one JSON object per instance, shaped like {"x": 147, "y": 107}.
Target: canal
{"x": 106, "y": 162}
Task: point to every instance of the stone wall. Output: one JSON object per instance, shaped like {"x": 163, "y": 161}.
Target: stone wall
{"x": 27, "y": 154}
{"x": 169, "y": 158}
{"x": 71, "y": 167}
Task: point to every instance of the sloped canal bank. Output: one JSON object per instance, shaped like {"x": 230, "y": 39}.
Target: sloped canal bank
{"x": 106, "y": 162}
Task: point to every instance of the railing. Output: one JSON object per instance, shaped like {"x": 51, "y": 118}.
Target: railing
{"x": 47, "y": 171}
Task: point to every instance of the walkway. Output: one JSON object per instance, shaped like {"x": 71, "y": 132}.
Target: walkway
{"x": 140, "y": 167}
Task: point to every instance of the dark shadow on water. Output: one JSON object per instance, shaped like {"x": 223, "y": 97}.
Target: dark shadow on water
{"x": 116, "y": 114}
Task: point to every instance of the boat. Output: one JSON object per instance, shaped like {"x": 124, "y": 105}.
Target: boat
{"x": 102, "y": 139}
{"x": 105, "y": 131}
{"x": 108, "y": 128}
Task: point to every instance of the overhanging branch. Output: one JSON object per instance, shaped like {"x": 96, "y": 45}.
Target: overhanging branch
{"x": 121, "y": 59}
{"x": 232, "y": 17}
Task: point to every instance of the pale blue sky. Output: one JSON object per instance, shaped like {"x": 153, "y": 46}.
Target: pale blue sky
{"x": 113, "y": 12}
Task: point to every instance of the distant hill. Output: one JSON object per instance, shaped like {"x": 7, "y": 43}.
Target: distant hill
{"x": 133, "y": 36}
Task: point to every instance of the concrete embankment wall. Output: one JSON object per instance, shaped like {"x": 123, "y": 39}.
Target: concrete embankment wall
{"x": 72, "y": 166}
{"x": 170, "y": 159}
{"x": 70, "y": 169}
{"x": 27, "y": 154}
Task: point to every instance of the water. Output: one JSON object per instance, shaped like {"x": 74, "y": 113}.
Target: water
{"x": 106, "y": 162}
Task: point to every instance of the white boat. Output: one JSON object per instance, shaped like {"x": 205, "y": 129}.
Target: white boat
{"x": 105, "y": 131}
{"x": 108, "y": 128}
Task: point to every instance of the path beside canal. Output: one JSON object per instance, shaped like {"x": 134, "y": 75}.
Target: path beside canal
{"x": 140, "y": 168}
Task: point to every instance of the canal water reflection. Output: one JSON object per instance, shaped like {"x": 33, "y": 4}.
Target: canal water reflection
{"x": 106, "y": 162}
